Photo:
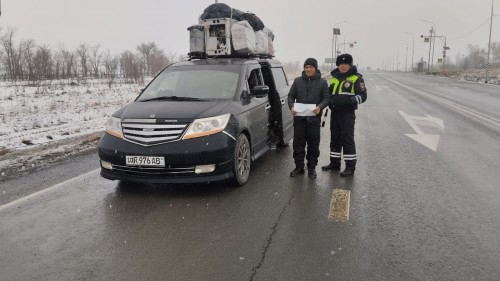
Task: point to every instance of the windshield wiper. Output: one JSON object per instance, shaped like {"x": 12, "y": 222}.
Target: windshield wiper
{"x": 175, "y": 98}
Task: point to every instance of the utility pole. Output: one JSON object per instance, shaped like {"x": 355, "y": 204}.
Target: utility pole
{"x": 433, "y": 43}
{"x": 412, "y": 50}
{"x": 333, "y": 43}
{"x": 433, "y": 46}
{"x": 489, "y": 47}
{"x": 406, "y": 56}
{"x": 336, "y": 31}
{"x": 430, "y": 44}
{"x": 445, "y": 48}
{"x": 397, "y": 63}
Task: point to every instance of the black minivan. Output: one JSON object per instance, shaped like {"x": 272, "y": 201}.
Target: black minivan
{"x": 199, "y": 121}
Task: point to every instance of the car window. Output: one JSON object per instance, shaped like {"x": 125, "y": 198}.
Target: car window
{"x": 196, "y": 83}
{"x": 169, "y": 82}
{"x": 254, "y": 79}
{"x": 279, "y": 78}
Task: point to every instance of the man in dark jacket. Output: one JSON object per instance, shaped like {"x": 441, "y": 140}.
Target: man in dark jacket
{"x": 347, "y": 92}
{"x": 309, "y": 89}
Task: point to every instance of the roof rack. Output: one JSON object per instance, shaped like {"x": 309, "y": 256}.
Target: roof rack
{"x": 201, "y": 56}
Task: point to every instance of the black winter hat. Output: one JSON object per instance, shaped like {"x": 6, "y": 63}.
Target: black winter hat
{"x": 312, "y": 62}
{"x": 344, "y": 58}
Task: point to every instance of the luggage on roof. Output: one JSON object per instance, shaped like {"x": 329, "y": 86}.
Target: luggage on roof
{"x": 196, "y": 40}
{"x": 220, "y": 10}
{"x": 253, "y": 20}
{"x": 243, "y": 38}
{"x": 226, "y": 31}
{"x": 218, "y": 36}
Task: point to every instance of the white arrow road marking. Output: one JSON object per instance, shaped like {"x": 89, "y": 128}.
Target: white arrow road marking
{"x": 429, "y": 141}
{"x": 489, "y": 120}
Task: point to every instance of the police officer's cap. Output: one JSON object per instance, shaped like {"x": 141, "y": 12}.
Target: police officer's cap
{"x": 344, "y": 58}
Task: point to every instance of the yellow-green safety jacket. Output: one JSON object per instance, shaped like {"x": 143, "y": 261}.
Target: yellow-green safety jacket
{"x": 349, "y": 87}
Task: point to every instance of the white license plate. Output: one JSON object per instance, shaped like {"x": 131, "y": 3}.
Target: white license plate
{"x": 151, "y": 161}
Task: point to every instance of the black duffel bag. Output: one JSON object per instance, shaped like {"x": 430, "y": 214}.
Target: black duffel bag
{"x": 221, "y": 10}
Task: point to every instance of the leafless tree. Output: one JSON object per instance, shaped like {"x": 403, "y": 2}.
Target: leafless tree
{"x": 477, "y": 56}
{"x": 130, "y": 65}
{"x": 43, "y": 62}
{"x": 111, "y": 66}
{"x": 495, "y": 54}
{"x": 147, "y": 50}
{"x": 7, "y": 41}
{"x": 171, "y": 57}
{"x": 28, "y": 53}
{"x": 82, "y": 52}
{"x": 158, "y": 61}
{"x": 95, "y": 59}
{"x": 69, "y": 68}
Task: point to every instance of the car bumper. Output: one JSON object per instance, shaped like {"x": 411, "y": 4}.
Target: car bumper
{"x": 181, "y": 159}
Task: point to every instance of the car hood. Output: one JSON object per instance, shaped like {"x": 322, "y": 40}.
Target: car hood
{"x": 185, "y": 110}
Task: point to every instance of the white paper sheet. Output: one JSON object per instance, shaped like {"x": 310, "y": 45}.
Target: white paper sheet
{"x": 304, "y": 109}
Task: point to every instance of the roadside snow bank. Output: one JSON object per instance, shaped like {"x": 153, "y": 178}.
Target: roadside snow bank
{"x": 41, "y": 125}
{"x": 31, "y": 115}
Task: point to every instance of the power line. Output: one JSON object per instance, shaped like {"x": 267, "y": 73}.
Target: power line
{"x": 483, "y": 23}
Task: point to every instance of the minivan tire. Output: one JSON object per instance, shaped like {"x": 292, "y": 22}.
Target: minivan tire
{"x": 241, "y": 160}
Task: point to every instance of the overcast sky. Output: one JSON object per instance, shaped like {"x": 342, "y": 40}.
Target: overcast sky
{"x": 302, "y": 28}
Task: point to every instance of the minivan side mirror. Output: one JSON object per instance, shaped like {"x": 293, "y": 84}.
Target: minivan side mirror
{"x": 260, "y": 91}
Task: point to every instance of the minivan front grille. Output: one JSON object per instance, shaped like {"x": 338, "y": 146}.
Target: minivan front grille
{"x": 151, "y": 133}
{"x": 150, "y": 171}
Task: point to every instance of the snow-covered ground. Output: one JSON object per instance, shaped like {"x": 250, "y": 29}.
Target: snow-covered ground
{"x": 37, "y": 114}
{"x": 479, "y": 76}
{"x": 35, "y": 117}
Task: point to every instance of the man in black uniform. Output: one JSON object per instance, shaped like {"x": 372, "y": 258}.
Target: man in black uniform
{"x": 347, "y": 90}
{"x": 309, "y": 89}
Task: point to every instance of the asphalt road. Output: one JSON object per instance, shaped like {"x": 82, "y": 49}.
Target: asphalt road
{"x": 424, "y": 205}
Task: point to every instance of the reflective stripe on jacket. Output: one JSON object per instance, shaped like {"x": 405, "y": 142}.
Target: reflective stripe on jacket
{"x": 343, "y": 87}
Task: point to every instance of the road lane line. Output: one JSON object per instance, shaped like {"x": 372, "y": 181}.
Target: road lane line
{"x": 339, "y": 206}
{"x": 48, "y": 189}
{"x": 460, "y": 108}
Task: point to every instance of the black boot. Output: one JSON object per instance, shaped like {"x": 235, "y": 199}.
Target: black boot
{"x": 297, "y": 172}
{"x": 347, "y": 172}
{"x": 311, "y": 172}
{"x": 331, "y": 167}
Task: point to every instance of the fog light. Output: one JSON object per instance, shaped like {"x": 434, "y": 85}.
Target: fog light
{"x": 203, "y": 169}
{"x": 106, "y": 165}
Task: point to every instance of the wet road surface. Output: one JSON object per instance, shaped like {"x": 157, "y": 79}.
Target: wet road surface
{"x": 420, "y": 209}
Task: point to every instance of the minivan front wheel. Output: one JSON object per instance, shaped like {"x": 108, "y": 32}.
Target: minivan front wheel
{"x": 241, "y": 160}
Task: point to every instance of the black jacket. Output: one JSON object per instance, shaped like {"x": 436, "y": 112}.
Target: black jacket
{"x": 347, "y": 102}
{"x": 310, "y": 91}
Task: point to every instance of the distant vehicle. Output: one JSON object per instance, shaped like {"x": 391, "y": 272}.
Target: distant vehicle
{"x": 199, "y": 121}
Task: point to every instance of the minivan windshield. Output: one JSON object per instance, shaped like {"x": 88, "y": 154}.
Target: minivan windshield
{"x": 193, "y": 83}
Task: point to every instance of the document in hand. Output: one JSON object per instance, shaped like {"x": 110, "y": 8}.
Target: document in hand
{"x": 304, "y": 109}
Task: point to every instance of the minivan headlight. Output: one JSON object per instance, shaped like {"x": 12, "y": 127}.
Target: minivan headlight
{"x": 206, "y": 126}
{"x": 114, "y": 127}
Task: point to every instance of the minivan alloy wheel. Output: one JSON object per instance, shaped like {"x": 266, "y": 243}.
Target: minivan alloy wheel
{"x": 242, "y": 160}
